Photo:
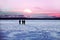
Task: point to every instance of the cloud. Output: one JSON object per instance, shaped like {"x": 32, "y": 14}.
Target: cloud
{"x": 38, "y": 6}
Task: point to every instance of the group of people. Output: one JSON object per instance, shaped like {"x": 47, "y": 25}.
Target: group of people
{"x": 21, "y": 21}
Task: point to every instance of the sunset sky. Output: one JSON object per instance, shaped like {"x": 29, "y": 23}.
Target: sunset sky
{"x": 35, "y": 6}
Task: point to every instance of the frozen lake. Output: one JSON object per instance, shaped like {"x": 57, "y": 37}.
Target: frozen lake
{"x": 32, "y": 30}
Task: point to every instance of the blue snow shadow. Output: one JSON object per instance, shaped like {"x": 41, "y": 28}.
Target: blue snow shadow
{"x": 31, "y": 35}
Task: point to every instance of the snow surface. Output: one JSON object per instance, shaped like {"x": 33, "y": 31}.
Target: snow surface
{"x": 32, "y": 30}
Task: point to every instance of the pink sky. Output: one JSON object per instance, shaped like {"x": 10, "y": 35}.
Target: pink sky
{"x": 37, "y": 6}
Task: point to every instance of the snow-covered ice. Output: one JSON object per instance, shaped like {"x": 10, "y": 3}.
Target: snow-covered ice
{"x": 32, "y": 30}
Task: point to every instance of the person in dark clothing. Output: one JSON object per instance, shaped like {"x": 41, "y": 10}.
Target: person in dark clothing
{"x": 23, "y": 21}
{"x": 19, "y": 21}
